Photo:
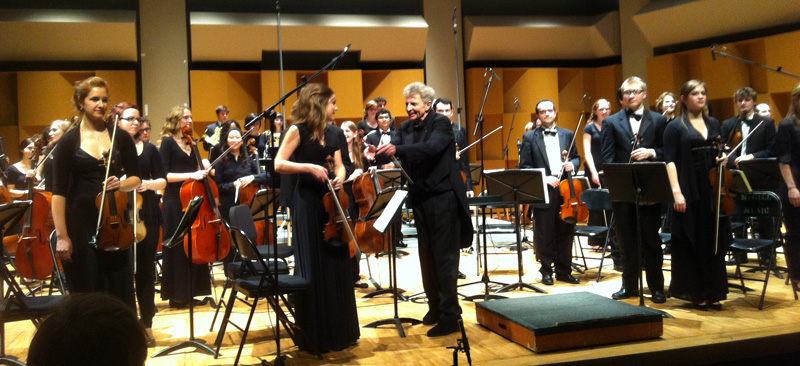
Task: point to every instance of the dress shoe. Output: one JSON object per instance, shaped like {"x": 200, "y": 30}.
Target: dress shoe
{"x": 717, "y": 306}
{"x": 618, "y": 267}
{"x": 360, "y": 285}
{"x": 461, "y": 276}
{"x": 443, "y": 328}
{"x": 701, "y": 307}
{"x": 431, "y": 318}
{"x": 149, "y": 337}
{"x": 658, "y": 297}
{"x": 547, "y": 279}
{"x": 624, "y": 294}
{"x": 402, "y": 245}
{"x": 568, "y": 279}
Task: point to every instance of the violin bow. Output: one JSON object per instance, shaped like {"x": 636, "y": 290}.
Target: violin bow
{"x": 105, "y": 182}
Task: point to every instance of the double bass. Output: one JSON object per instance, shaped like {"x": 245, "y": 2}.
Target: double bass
{"x": 34, "y": 258}
{"x": 211, "y": 241}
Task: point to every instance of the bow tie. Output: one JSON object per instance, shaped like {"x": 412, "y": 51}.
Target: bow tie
{"x": 746, "y": 121}
{"x": 637, "y": 117}
{"x": 550, "y": 132}
{"x": 384, "y": 133}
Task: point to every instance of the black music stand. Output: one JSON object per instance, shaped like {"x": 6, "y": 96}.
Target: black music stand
{"x": 381, "y": 201}
{"x": 482, "y": 202}
{"x": 10, "y": 214}
{"x": 386, "y": 212}
{"x": 762, "y": 174}
{"x": 391, "y": 177}
{"x": 518, "y": 186}
{"x": 177, "y": 239}
{"x": 263, "y": 206}
{"x": 636, "y": 183}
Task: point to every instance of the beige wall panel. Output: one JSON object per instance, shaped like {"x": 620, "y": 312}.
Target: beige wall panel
{"x": 46, "y": 95}
{"x": 271, "y": 89}
{"x": 244, "y": 94}
{"x": 346, "y": 84}
{"x": 121, "y": 85}
{"x": 8, "y": 99}
{"x": 782, "y": 50}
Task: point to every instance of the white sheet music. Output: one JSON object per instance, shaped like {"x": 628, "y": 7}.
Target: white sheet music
{"x": 383, "y": 221}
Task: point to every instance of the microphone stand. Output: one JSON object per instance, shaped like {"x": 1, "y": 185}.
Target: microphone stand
{"x": 508, "y": 137}
{"x": 455, "y": 52}
{"x": 715, "y": 53}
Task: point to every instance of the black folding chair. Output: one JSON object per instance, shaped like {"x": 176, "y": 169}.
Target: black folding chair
{"x": 264, "y": 284}
{"x": 595, "y": 199}
{"x": 763, "y": 206}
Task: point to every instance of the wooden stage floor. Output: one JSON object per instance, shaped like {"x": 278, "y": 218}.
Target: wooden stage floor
{"x": 738, "y": 332}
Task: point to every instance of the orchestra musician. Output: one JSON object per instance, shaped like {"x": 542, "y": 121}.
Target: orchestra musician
{"x": 620, "y": 132}
{"x": 592, "y": 148}
{"x": 425, "y": 146}
{"x": 698, "y": 274}
{"x": 56, "y": 130}
{"x": 444, "y": 107}
{"x": 181, "y": 165}
{"x": 353, "y": 170}
{"x": 381, "y": 135}
{"x": 666, "y": 105}
{"x": 542, "y": 148}
{"x": 78, "y": 176}
{"x": 369, "y": 122}
{"x": 237, "y": 170}
{"x": 19, "y": 172}
{"x": 154, "y": 178}
{"x": 787, "y": 149}
{"x": 327, "y": 311}
{"x": 211, "y": 135}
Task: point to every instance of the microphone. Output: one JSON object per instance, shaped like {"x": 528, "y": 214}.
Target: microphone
{"x": 713, "y": 53}
{"x": 486, "y": 71}
{"x": 493, "y": 74}
{"x": 516, "y": 103}
{"x": 455, "y": 26}
{"x": 339, "y": 58}
{"x": 582, "y": 99}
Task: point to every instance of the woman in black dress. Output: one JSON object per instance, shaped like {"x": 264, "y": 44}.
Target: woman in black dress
{"x": 698, "y": 275}
{"x": 353, "y": 169}
{"x": 154, "y": 178}
{"x": 787, "y": 149}
{"x": 19, "y": 172}
{"x": 236, "y": 170}
{"x": 54, "y": 133}
{"x": 666, "y": 105}
{"x": 327, "y": 312}
{"x": 181, "y": 165}
{"x": 78, "y": 178}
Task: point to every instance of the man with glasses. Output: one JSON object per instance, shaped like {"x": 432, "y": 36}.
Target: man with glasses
{"x": 620, "y": 131}
{"x": 542, "y": 148}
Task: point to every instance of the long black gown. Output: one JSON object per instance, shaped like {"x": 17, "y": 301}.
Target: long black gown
{"x": 327, "y": 312}
{"x": 698, "y": 274}
{"x": 787, "y": 148}
{"x": 78, "y": 177}
{"x": 150, "y": 167}
{"x": 175, "y": 279}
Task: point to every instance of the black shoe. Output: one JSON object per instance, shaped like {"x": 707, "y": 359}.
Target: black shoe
{"x": 431, "y": 318}
{"x": 701, "y": 307}
{"x": 568, "y": 279}
{"x": 178, "y": 304}
{"x": 547, "y": 279}
{"x": 624, "y": 294}
{"x": 618, "y": 267}
{"x": 658, "y": 297}
{"x": 402, "y": 245}
{"x": 717, "y": 307}
{"x": 461, "y": 276}
{"x": 444, "y": 328}
{"x": 361, "y": 285}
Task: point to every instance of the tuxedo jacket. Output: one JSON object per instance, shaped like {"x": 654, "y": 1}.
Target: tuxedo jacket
{"x": 210, "y": 132}
{"x": 534, "y": 153}
{"x": 618, "y": 138}
{"x": 374, "y": 137}
{"x": 430, "y": 162}
{"x": 759, "y": 141}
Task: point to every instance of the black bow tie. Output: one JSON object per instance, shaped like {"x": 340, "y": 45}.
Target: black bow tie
{"x": 384, "y": 133}
{"x": 746, "y": 121}
{"x": 550, "y": 132}
{"x": 637, "y": 117}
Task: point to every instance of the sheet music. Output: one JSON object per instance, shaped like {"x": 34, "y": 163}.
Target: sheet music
{"x": 383, "y": 221}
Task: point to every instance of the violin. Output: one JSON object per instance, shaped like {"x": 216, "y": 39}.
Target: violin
{"x": 139, "y": 230}
{"x": 572, "y": 208}
{"x": 113, "y": 231}
{"x": 34, "y": 259}
{"x": 365, "y": 190}
{"x": 211, "y": 241}
{"x": 338, "y": 228}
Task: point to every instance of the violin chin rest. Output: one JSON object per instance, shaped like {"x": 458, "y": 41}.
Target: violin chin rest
{"x": 335, "y": 242}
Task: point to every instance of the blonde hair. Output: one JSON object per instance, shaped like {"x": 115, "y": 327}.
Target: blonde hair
{"x": 595, "y": 107}
{"x": 172, "y": 125}
{"x": 310, "y": 108}
{"x": 792, "y": 113}
{"x": 370, "y": 104}
{"x": 355, "y": 144}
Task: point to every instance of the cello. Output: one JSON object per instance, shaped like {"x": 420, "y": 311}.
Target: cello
{"x": 337, "y": 227}
{"x": 572, "y": 209}
{"x": 365, "y": 190}
{"x": 34, "y": 258}
{"x": 211, "y": 241}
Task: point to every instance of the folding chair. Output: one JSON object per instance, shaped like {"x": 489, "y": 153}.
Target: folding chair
{"x": 761, "y": 205}
{"x": 595, "y": 199}
{"x": 265, "y": 284}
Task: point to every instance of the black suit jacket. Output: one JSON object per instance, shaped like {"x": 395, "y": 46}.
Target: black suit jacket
{"x": 374, "y": 137}
{"x": 461, "y": 142}
{"x": 431, "y": 164}
{"x": 617, "y": 137}
{"x": 759, "y": 141}
{"x": 534, "y": 153}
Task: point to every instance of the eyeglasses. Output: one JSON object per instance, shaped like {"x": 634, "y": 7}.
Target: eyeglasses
{"x": 131, "y": 119}
{"x": 632, "y": 92}
{"x": 145, "y": 130}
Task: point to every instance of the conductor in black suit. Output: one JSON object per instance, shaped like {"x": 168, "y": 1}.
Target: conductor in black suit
{"x": 426, "y": 149}
{"x": 619, "y": 135}
{"x": 734, "y": 130}
{"x": 542, "y": 147}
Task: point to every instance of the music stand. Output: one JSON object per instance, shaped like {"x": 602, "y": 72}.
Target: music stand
{"x": 483, "y": 202}
{"x": 762, "y": 174}
{"x": 391, "y": 177}
{"x": 386, "y": 213}
{"x": 518, "y": 186}
{"x": 177, "y": 238}
{"x": 263, "y": 206}
{"x": 475, "y": 173}
{"x": 11, "y": 213}
{"x": 636, "y": 183}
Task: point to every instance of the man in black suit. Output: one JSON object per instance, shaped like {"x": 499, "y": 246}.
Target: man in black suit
{"x": 444, "y": 107}
{"x": 210, "y": 138}
{"x": 542, "y": 147}
{"x": 618, "y": 137}
{"x": 734, "y": 130}
{"x": 426, "y": 148}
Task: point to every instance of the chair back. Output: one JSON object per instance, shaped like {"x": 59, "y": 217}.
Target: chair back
{"x": 760, "y": 205}
{"x": 251, "y": 259}
{"x": 596, "y": 199}
{"x": 241, "y": 218}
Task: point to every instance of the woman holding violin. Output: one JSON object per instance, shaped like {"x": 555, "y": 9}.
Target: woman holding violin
{"x": 154, "y": 178}
{"x": 698, "y": 274}
{"x": 79, "y": 174}
{"x": 326, "y": 312}
{"x": 236, "y": 171}
{"x": 19, "y": 172}
{"x": 180, "y": 164}
{"x": 787, "y": 149}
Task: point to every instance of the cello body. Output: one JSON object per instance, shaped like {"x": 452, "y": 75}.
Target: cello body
{"x": 34, "y": 260}
{"x": 365, "y": 191}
